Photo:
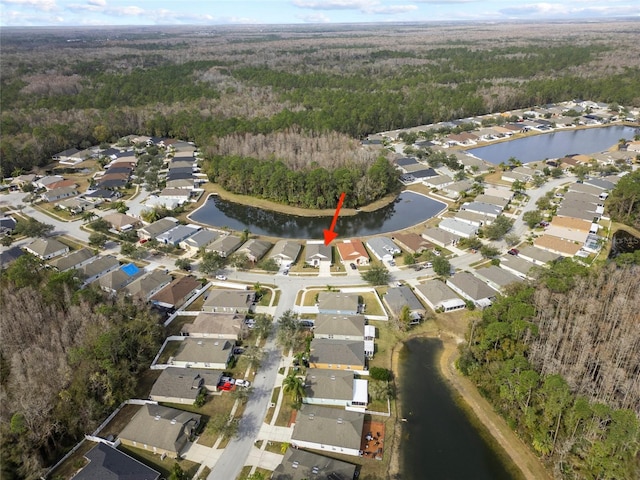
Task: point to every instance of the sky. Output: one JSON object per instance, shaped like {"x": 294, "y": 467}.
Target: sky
{"x": 224, "y": 12}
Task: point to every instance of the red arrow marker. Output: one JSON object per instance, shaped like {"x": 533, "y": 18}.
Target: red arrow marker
{"x": 330, "y": 235}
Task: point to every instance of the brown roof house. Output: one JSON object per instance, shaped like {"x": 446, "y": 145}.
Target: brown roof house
{"x": 557, "y": 245}
{"x": 229, "y": 301}
{"x": 255, "y": 249}
{"x": 353, "y": 251}
{"x": 144, "y": 287}
{"x": 412, "y": 242}
{"x": 161, "y": 430}
{"x": 329, "y": 429}
{"x": 177, "y": 292}
{"x": 121, "y": 222}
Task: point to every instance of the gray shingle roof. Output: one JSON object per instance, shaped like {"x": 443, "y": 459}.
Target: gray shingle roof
{"x": 108, "y": 463}
{"x": 398, "y": 297}
{"x": 302, "y": 465}
{"x": 72, "y": 259}
{"x": 326, "y": 324}
{"x": 328, "y": 426}
{"x": 337, "y": 302}
{"x": 337, "y": 352}
{"x": 472, "y": 286}
{"x": 178, "y": 383}
{"x": 332, "y": 384}
{"x": 204, "y": 350}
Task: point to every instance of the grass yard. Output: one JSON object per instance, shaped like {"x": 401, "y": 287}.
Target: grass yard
{"x": 276, "y": 447}
{"x": 177, "y": 323}
{"x": 244, "y": 473}
{"x": 286, "y": 409}
{"x": 372, "y": 302}
{"x": 265, "y": 301}
{"x": 196, "y": 305}
{"x": 162, "y": 466}
{"x": 310, "y": 296}
{"x": 117, "y": 424}
{"x": 271, "y": 410}
{"x": 146, "y": 379}
{"x": 169, "y": 351}
{"x": 72, "y": 464}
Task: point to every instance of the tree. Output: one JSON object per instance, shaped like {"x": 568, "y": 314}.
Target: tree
{"x": 518, "y": 186}
{"x": 100, "y": 225}
{"x": 31, "y": 227}
{"x": 183, "y": 264}
{"x": 241, "y": 394}
{"x": 254, "y": 355}
{"x": 177, "y": 473}
{"x": 498, "y": 228}
{"x": 441, "y": 266}
{"x": 380, "y": 373}
{"x": 88, "y": 216}
{"x": 268, "y": 264}
{"x": 245, "y": 235}
{"x": 97, "y": 239}
{"x": 557, "y": 172}
{"x": 289, "y": 331}
{"x": 538, "y": 181}
{"x": 624, "y": 201}
{"x": 6, "y": 240}
{"x": 221, "y": 424}
{"x": 119, "y": 206}
{"x": 404, "y": 317}
{"x": 211, "y": 262}
{"x": 532, "y": 218}
{"x": 488, "y": 251}
{"x": 512, "y": 239}
{"x": 376, "y": 275}
{"x": 409, "y": 259}
{"x": 294, "y": 386}
{"x": 263, "y": 325}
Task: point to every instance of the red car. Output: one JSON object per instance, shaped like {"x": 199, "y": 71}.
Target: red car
{"x": 513, "y": 251}
{"x": 226, "y": 386}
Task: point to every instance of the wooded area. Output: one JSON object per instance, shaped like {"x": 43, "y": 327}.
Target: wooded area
{"x": 230, "y": 90}
{"x": 560, "y": 362}
{"x": 66, "y": 361}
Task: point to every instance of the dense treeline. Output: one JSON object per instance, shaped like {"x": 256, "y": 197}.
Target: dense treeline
{"x": 67, "y": 360}
{"x": 559, "y": 361}
{"x": 54, "y": 94}
{"x": 313, "y": 187}
{"x": 624, "y": 202}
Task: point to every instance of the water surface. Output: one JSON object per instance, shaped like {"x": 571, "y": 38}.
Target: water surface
{"x": 438, "y": 440}
{"x": 555, "y": 145}
{"x": 407, "y": 210}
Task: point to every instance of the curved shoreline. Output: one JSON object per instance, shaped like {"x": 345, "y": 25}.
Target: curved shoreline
{"x": 519, "y": 453}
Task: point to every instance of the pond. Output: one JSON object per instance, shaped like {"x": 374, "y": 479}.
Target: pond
{"x": 623, "y": 242}
{"x": 438, "y": 440}
{"x": 555, "y": 145}
{"x": 408, "y": 209}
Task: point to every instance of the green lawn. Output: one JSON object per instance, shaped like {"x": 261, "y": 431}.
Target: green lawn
{"x": 162, "y": 466}
{"x": 372, "y": 303}
{"x": 169, "y": 351}
{"x": 177, "y": 323}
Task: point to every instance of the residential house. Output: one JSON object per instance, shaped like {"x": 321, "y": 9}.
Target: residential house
{"x": 7, "y": 257}
{"x": 473, "y": 165}
{"x": 75, "y": 205}
{"x": 457, "y": 227}
{"x": 255, "y": 249}
{"x": 537, "y": 256}
{"x": 600, "y": 183}
{"x": 471, "y": 288}
{"x": 497, "y": 191}
{"x": 353, "y": 251}
{"x": 440, "y": 237}
{"x": 180, "y": 195}
{"x": 203, "y": 353}
{"x": 584, "y": 188}
{"x": 119, "y": 278}
{"x": 62, "y": 184}
{"x": 438, "y": 181}
{"x": 513, "y": 176}
{"x": 7, "y": 225}
{"x": 121, "y": 222}
{"x": 229, "y": 326}
{"x": 103, "y": 195}
{"x": 59, "y": 194}
{"x": 462, "y": 139}
{"x": 156, "y": 228}
{"x": 557, "y": 245}
{"x": 482, "y": 208}
{"x": 142, "y": 288}
{"x": 412, "y": 242}
{"x": 229, "y": 301}
{"x": 161, "y": 430}
{"x": 339, "y": 327}
{"x": 225, "y": 245}
{"x": 337, "y": 354}
{"x": 475, "y": 219}
{"x": 108, "y": 463}
{"x": 46, "y": 181}
{"x": 568, "y": 228}
{"x": 329, "y": 429}
{"x": 516, "y": 265}
{"x": 98, "y": 267}
{"x": 75, "y": 259}
{"x": 199, "y": 240}
{"x": 186, "y": 183}
{"x": 317, "y": 253}
{"x": 335, "y": 388}
{"x": 496, "y": 277}
{"x": 383, "y": 248}
{"x": 46, "y": 248}
{"x": 397, "y": 298}
{"x": 66, "y": 155}
{"x": 285, "y": 252}
{"x": 423, "y": 173}
{"x": 492, "y": 200}
{"x": 178, "y": 385}
{"x": 178, "y": 234}
{"x": 456, "y": 189}
{"x": 439, "y": 296}
{"x": 337, "y": 303}
{"x": 302, "y": 465}
{"x": 584, "y": 212}
{"x": 177, "y": 293}
{"x": 22, "y": 180}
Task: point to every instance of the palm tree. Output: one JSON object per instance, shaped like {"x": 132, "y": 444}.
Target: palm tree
{"x": 293, "y": 385}
{"x": 88, "y": 216}
{"x": 150, "y": 216}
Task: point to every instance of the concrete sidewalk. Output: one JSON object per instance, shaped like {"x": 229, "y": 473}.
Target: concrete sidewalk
{"x": 274, "y": 433}
{"x": 263, "y": 459}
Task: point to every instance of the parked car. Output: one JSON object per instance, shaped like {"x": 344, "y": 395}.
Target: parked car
{"x": 225, "y": 386}
{"x": 353, "y": 266}
{"x": 220, "y": 277}
{"x": 225, "y": 379}
{"x": 513, "y": 251}
{"x": 243, "y": 383}
{"x": 285, "y": 271}
{"x": 238, "y": 351}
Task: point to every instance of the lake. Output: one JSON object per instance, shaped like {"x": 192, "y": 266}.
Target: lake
{"x": 407, "y": 210}
{"x": 555, "y": 145}
{"x": 438, "y": 440}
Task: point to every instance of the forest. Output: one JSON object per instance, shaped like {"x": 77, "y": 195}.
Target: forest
{"x": 559, "y": 360}
{"x": 84, "y": 356}
{"x": 212, "y": 85}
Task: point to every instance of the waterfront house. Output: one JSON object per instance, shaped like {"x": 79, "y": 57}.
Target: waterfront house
{"x": 255, "y": 249}
{"x": 471, "y": 288}
{"x": 303, "y": 465}
{"x": 337, "y": 354}
{"x": 439, "y": 296}
{"x": 339, "y": 327}
{"x": 317, "y": 252}
{"x": 225, "y": 245}
{"x": 353, "y": 251}
{"x": 335, "y": 388}
{"x": 285, "y": 252}
{"x": 383, "y": 248}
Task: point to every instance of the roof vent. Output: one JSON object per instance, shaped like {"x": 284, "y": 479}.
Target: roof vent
{"x": 215, "y": 343}
{"x": 294, "y": 465}
{"x": 199, "y": 342}
{"x": 315, "y": 470}
{"x": 173, "y": 422}
{"x": 333, "y": 377}
{"x": 339, "y": 420}
{"x": 157, "y": 417}
{"x": 311, "y": 415}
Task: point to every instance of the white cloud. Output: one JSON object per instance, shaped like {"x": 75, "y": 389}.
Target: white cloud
{"x": 97, "y": 3}
{"x": 314, "y": 18}
{"x": 335, "y": 4}
{"x": 12, "y": 17}
{"x": 391, "y": 9}
{"x": 554, "y": 10}
{"x": 46, "y": 5}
